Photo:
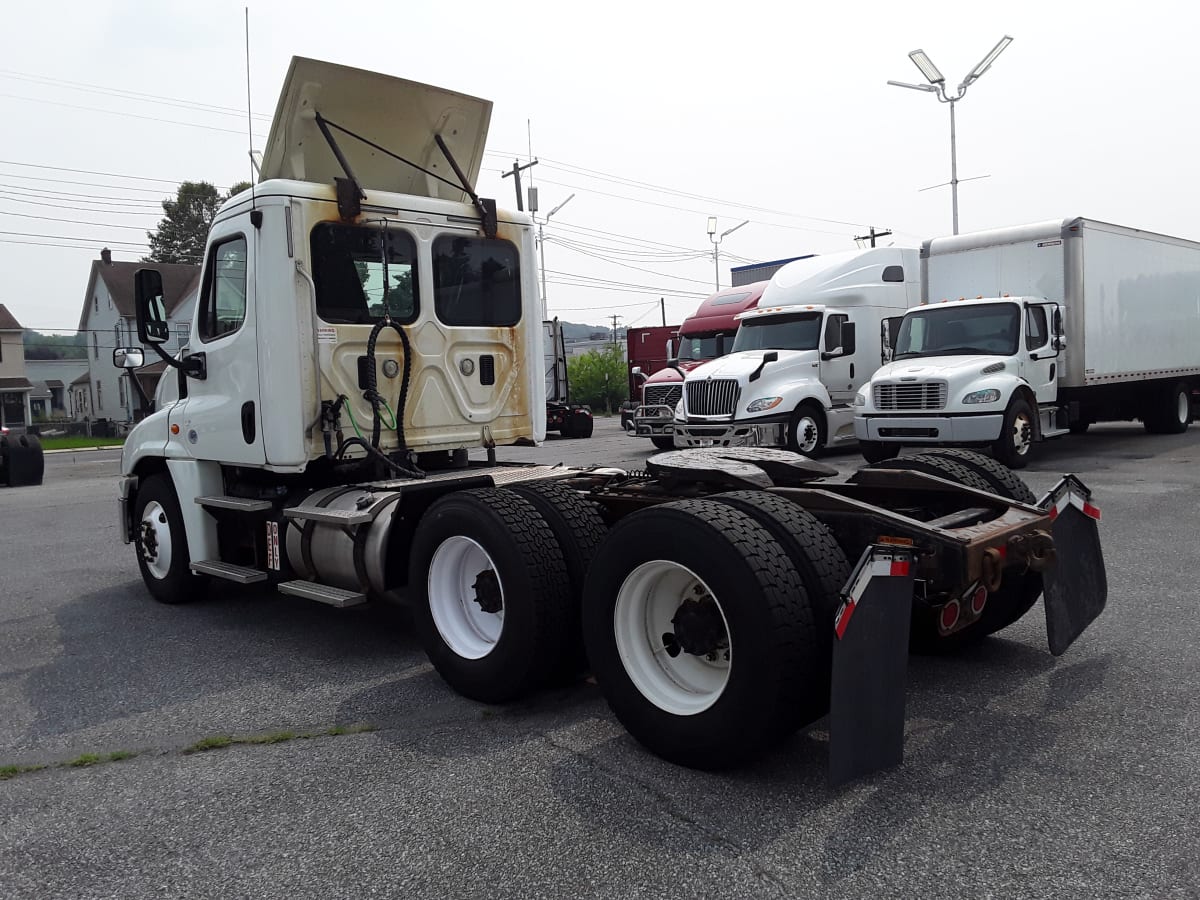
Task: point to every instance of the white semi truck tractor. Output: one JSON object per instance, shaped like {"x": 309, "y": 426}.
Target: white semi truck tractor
{"x": 799, "y": 358}
{"x": 365, "y": 322}
{"x": 1036, "y": 331}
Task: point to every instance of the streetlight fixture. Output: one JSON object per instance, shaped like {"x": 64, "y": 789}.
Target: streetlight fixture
{"x": 937, "y": 85}
{"x": 542, "y": 246}
{"x": 716, "y": 242}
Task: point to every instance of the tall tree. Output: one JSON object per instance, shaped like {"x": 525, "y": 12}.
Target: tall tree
{"x": 181, "y": 233}
{"x": 599, "y": 379}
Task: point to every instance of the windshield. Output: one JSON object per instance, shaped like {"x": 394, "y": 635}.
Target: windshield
{"x": 801, "y": 331}
{"x": 951, "y": 330}
{"x": 695, "y": 347}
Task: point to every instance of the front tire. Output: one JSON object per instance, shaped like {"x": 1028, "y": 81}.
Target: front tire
{"x": 1173, "y": 411}
{"x": 1016, "y": 435}
{"x": 490, "y": 594}
{"x": 161, "y": 543}
{"x": 806, "y": 431}
{"x": 700, "y": 633}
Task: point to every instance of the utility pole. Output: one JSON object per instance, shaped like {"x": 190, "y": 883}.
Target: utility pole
{"x": 516, "y": 174}
{"x": 662, "y": 307}
{"x": 874, "y": 234}
{"x": 614, "y": 328}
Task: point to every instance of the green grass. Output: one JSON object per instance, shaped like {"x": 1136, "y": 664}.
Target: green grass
{"x": 7, "y": 772}
{"x": 216, "y": 742}
{"x": 79, "y": 443}
{"x": 85, "y": 759}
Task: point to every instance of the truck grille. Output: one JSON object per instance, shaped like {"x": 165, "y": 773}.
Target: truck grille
{"x": 712, "y": 397}
{"x": 662, "y": 394}
{"x": 923, "y": 395}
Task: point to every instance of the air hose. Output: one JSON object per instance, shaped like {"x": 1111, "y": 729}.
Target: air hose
{"x": 371, "y": 393}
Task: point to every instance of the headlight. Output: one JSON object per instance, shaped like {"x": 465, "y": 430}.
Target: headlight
{"x": 860, "y": 399}
{"x": 763, "y": 404}
{"x": 991, "y": 395}
{"x": 679, "y": 409}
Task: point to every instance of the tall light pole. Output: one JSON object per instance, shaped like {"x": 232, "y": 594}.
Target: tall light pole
{"x": 937, "y": 85}
{"x": 542, "y": 244}
{"x": 716, "y": 242}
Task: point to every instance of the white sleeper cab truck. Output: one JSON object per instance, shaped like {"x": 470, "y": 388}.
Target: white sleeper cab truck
{"x": 365, "y": 321}
{"x": 799, "y": 359}
{"x": 1074, "y": 322}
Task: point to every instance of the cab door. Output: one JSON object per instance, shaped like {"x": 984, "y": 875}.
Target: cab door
{"x": 220, "y": 419}
{"x": 1039, "y": 362}
{"x": 838, "y": 372}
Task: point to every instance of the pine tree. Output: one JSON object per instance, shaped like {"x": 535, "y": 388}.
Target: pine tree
{"x": 181, "y": 233}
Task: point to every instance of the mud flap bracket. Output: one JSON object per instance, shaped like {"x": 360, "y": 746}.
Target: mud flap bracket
{"x": 870, "y": 665}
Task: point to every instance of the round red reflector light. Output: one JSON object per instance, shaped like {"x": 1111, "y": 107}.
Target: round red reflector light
{"x": 978, "y": 599}
{"x": 949, "y": 617}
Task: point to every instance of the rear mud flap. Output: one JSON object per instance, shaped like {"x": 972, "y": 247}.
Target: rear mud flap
{"x": 870, "y": 665}
{"x": 1076, "y": 586}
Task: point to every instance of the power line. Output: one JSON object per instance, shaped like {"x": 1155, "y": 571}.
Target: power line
{"x": 7, "y": 195}
{"x": 27, "y": 190}
{"x": 9, "y": 162}
{"x": 73, "y": 221}
{"x": 128, "y": 115}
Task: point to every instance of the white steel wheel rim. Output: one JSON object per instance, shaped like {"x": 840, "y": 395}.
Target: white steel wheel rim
{"x": 683, "y": 685}
{"x": 155, "y": 516}
{"x": 1022, "y": 434}
{"x": 1182, "y": 407}
{"x": 807, "y": 434}
{"x": 466, "y": 628}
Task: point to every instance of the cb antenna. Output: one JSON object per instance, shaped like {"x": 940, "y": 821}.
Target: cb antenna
{"x": 255, "y": 215}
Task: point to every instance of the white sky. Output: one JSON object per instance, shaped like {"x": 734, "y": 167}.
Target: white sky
{"x": 774, "y": 112}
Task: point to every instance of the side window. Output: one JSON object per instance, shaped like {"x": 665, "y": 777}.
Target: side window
{"x": 95, "y": 345}
{"x": 476, "y": 281}
{"x": 1036, "y": 332}
{"x": 833, "y": 331}
{"x": 223, "y": 295}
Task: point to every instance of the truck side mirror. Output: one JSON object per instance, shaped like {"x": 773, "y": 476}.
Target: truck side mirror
{"x": 151, "y": 310}
{"x": 129, "y": 357}
{"x": 720, "y": 345}
{"x": 670, "y": 350}
{"x": 637, "y": 372}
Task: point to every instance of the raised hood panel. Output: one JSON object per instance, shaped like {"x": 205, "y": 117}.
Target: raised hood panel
{"x": 740, "y": 365}
{"x": 402, "y": 116}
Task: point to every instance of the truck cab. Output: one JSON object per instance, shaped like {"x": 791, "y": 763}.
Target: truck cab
{"x": 704, "y": 336}
{"x": 971, "y": 372}
{"x": 799, "y": 358}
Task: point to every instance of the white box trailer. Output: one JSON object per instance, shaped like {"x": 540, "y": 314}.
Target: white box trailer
{"x": 1071, "y": 322}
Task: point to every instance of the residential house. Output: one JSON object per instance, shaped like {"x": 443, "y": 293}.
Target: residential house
{"x": 110, "y": 321}
{"x": 15, "y": 386}
{"x": 51, "y": 379}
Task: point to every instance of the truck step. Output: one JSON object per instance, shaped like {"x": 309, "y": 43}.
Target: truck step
{"x": 228, "y": 571}
{"x": 331, "y": 516}
{"x": 322, "y": 593}
{"x": 241, "y": 504}
{"x": 1054, "y": 432}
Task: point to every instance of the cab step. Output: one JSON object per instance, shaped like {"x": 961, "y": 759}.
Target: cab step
{"x": 322, "y": 593}
{"x": 241, "y": 504}
{"x": 228, "y": 571}
{"x": 330, "y": 516}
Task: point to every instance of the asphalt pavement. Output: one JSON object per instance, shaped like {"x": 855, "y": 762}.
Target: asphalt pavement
{"x": 1024, "y": 775}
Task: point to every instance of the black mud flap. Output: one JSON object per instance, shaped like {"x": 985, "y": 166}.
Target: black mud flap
{"x": 870, "y": 665}
{"x": 1076, "y": 586}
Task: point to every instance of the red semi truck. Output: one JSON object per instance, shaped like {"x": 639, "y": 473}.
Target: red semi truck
{"x": 703, "y": 336}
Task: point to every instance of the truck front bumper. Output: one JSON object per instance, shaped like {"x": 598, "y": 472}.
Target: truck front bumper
{"x": 653, "y": 421}
{"x": 732, "y": 434}
{"x": 929, "y": 429}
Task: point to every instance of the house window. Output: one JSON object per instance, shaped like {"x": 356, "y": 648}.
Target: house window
{"x": 99, "y": 396}
{"x": 96, "y": 303}
{"x": 95, "y": 345}
{"x": 117, "y": 335}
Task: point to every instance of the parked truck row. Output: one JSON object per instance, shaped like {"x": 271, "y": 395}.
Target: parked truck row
{"x": 319, "y": 443}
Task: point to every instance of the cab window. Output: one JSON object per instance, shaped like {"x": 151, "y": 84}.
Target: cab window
{"x": 1036, "y": 332}
{"x": 223, "y": 296}
{"x": 476, "y": 281}
{"x": 348, "y": 272}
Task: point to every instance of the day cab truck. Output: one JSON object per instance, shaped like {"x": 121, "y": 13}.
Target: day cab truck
{"x": 1071, "y": 322}
{"x": 571, "y": 420}
{"x": 801, "y": 355}
{"x": 367, "y": 330}
{"x": 705, "y": 335}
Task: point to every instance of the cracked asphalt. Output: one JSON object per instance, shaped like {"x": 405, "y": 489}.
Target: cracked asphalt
{"x": 1024, "y": 775}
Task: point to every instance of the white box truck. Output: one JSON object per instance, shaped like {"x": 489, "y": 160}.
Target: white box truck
{"x": 800, "y": 357}
{"x": 1071, "y": 322}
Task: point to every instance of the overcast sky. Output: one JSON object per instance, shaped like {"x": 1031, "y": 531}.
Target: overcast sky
{"x": 655, "y": 115}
